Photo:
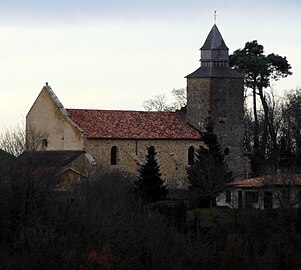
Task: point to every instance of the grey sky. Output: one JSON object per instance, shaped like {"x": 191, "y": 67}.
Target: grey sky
{"x": 116, "y": 54}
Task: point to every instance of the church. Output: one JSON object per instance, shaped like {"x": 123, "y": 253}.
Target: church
{"x": 117, "y": 140}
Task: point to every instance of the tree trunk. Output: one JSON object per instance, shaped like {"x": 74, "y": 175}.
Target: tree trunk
{"x": 271, "y": 128}
{"x": 210, "y": 203}
{"x": 256, "y": 128}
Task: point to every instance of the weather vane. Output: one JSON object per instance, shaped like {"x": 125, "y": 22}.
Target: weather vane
{"x": 214, "y": 16}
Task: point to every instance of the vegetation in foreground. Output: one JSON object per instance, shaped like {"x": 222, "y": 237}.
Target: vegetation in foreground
{"x": 101, "y": 224}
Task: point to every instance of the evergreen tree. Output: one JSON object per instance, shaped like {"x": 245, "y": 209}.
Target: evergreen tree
{"x": 259, "y": 71}
{"x": 150, "y": 185}
{"x": 208, "y": 175}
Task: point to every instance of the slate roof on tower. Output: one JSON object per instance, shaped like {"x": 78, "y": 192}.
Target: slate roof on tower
{"x": 214, "y": 58}
{"x": 116, "y": 124}
{"x": 214, "y": 40}
{"x": 216, "y": 72}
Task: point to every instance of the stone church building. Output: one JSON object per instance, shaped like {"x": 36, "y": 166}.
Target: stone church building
{"x": 119, "y": 140}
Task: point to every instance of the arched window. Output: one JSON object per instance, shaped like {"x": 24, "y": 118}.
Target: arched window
{"x": 151, "y": 153}
{"x": 114, "y": 155}
{"x": 44, "y": 143}
{"x": 191, "y": 155}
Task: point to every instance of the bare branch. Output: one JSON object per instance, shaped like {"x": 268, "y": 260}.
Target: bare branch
{"x": 12, "y": 140}
{"x": 157, "y": 103}
{"x": 180, "y": 96}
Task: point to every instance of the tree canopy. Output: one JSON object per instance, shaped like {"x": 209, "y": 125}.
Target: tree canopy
{"x": 208, "y": 175}
{"x": 150, "y": 185}
{"x": 259, "y": 70}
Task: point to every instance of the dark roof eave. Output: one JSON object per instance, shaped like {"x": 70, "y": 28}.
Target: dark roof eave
{"x": 215, "y": 72}
{"x": 214, "y": 49}
{"x": 261, "y": 186}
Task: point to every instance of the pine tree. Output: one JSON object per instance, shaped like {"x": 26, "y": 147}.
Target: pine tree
{"x": 150, "y": 185}
{"x": 208, "y": 175}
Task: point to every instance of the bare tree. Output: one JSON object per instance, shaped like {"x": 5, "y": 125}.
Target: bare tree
{"x": 160, "y": 103}
{"x": 13, "y": 140}
{"x": 290, "y": 132}
{"x": 17, "y": 140}
{"x": 180, "y": 96}
{"x": 35, "y": 140}
{"x": 157, "y": 103}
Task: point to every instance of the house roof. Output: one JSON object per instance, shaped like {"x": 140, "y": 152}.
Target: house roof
{"x": 116, "y": 124}
{"x": 7, "y": 161}
{"x": 48, "y": 158}
{"x": 4, "y": 156}
{"x": 276, "y": 180}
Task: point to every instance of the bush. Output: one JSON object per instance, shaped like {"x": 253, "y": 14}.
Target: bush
{"x": 99, "y": 225}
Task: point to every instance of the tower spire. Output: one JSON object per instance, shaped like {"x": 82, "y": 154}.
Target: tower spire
{"x": 214, "y": 52}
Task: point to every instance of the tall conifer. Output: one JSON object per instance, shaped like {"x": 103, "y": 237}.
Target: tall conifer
{"x": 208, "y": 175}
{"x": 150, "y": 184}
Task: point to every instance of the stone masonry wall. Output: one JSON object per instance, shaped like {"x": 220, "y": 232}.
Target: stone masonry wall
{"x": 222, "y": 98}
{"x": 227, "y": 114}
{"x": 198, "y": 101}
{"x": 172, "y": 156}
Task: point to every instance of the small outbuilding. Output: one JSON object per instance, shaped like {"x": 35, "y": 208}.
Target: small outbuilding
{"x": 266, "y": 192}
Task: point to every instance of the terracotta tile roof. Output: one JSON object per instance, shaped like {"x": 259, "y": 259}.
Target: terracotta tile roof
{"x": 116, "y": 124}
{"x": 269, "y": 180}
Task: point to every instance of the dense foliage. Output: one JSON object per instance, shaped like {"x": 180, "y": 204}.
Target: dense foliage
{"x": 208, "y": 175}
{"x": 259, "y": 70}
{"x": 99, "y": 224}
{"x": 150, "y": 185}
{"x": 102, "y": 225}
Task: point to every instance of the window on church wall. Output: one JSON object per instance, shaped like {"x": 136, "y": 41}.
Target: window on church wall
{"x": 44, "y": 144}
{"x": 114, "y": 155}
{"x": 191, "y": 153}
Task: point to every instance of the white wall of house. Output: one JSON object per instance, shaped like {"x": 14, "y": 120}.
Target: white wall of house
{"x": 261, "y": 198}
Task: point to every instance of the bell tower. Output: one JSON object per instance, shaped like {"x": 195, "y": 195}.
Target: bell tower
{"x": 216, "y": 90}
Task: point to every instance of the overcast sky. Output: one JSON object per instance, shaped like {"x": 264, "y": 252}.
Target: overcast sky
{"x": 116, "y": 54}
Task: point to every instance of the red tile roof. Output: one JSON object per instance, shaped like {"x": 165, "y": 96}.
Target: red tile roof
{"x": 100, "y": 124}
{"x": 268, "y": 181}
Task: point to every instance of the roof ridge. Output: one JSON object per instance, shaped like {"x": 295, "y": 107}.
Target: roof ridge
{"x": 108, "y": 110}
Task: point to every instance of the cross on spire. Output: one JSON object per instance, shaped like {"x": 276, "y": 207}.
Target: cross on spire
{"x": 215, "y": 16}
